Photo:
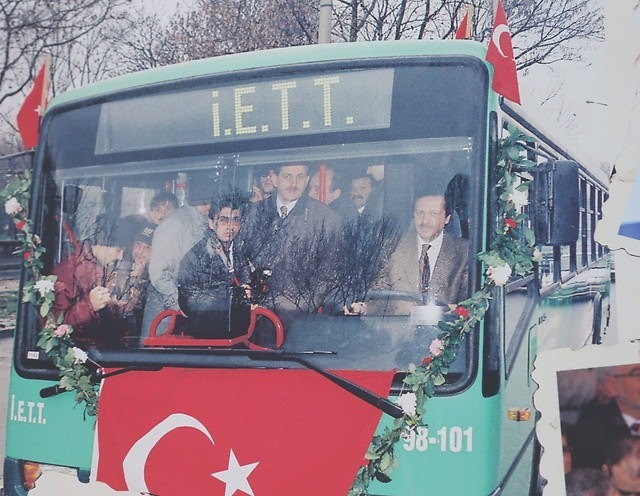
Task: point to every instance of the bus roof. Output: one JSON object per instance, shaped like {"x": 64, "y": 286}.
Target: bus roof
{"x": 273, "y": 58}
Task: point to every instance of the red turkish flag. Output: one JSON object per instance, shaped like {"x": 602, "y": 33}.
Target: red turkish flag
{"x": 234, "y": 432}
{"x": 500, "y": 55}
{"x": 32, "y": 109}
{"x": 463, "y": 31}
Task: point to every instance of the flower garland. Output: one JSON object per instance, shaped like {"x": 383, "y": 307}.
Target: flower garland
{"x": 55, "y": 340}
{"x": 512, "y": 251}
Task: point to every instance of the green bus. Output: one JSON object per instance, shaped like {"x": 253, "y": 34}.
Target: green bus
{"x": 372, "y": 126}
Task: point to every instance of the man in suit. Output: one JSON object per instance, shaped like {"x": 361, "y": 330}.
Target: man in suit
{"x": 427, "y": 260}
{"x": 364, "y": 199}
{"x": 602, "y": 423}
{"x": 213, "y": 275}
{"x": 298, "y": 238}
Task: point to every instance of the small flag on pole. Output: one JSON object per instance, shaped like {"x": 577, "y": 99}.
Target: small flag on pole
{"x": 464, "y": 29}
{"x": 500, "y": 55}
{"x": 32, "y": 109}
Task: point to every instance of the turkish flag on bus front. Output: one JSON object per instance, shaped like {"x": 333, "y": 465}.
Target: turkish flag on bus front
{"x": 224, "y": 432}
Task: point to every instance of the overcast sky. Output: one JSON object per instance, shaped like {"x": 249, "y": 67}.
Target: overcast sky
{"x": 579, "y": 102}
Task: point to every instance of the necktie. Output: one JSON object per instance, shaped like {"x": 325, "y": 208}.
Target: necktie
{"x": 635, "y": 429}
{"x": 425, "y": 268}
{"x": 283, "y": 211}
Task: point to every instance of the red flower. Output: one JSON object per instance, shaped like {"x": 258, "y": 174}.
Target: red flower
{"x": 462, "y": 311}
{"x": 26, "y": 255}
{"x": 427, "y": 360}
{"x": 509, "y": 222}
{"x": 20, "y": 224}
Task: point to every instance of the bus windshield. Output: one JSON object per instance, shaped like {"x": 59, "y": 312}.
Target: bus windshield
{"x": 332, "y": 210}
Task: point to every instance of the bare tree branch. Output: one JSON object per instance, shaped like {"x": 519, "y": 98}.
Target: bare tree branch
{"x": 543, "y": 31}
{"x": 30, "y": 28}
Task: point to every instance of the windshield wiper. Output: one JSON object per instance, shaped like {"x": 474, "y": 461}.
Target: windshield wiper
{"x": 364, "y": 394}
{"x": 97, "y": 377}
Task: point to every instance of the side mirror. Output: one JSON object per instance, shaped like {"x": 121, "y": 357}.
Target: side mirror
{"x": 555, "y": 209}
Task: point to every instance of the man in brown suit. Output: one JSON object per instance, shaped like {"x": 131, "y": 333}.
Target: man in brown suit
{"x": 428, "y": 261}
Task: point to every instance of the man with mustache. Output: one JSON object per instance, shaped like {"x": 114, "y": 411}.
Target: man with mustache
{"x": 427, "y": 260}
{"x": 297, "y": 237}
{"x": 363, "y": 199}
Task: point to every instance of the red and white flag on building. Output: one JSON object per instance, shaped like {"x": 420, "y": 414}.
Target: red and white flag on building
{"x": 464, "y": 29}
{"x": 500, "y": 55}
{"x": 32, "y": 109}
{"x": 223, "y": 432}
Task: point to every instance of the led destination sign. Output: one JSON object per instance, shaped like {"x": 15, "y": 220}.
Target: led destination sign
{"x": 340, "y": 101}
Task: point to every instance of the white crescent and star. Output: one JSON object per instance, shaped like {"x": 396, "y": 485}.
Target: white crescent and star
{"x": 499, "y": 30}
{"x": 133, "y": 464}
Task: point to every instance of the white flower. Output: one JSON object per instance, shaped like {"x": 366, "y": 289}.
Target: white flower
{"x": 44, "y": 286}
{"x": 436, "y": 347}
{"x": 12, "y": 206}
{"x": 518, "y": 198}
{"x": 79, "y": 355}
{"x": 499, "y": 275}
{"x": 408, "y": 403}
{"x": 537, "y": 255}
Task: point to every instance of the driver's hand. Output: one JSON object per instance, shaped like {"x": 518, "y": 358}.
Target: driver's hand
{"x": 355, "y": 308}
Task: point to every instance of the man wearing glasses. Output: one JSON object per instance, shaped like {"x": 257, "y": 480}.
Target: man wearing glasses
{"x": 604, "y": 422}
{"x": 213, "y": 276}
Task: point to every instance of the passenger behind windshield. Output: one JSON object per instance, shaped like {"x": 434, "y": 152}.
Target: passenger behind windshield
{"x": 428, "y": 260}
{"x": 214, "y": 276}
{"x": 365, "y": 201}
{"x": 100, "y": 288}
{"x": 177, "y": 234}
{"x": 298, "y": 238}
{"x": 161, "y": 206}
{"x": 331, "y": 195}
{"x": 263, "y": 184}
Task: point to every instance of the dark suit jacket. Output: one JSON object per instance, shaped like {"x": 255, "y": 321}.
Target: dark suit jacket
{"x": 208, "y": 291}
{"x": 302, "y": 249}
{"x": 598, "y": 427}
{"x": 449, "y": 275}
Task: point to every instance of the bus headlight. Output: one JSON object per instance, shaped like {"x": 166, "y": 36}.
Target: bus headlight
{"x": 31, "y": 471}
